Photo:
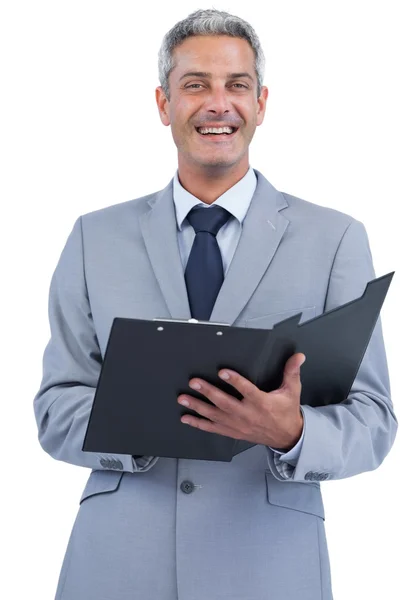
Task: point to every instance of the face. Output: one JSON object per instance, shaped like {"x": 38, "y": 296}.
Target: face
{"x": 213, "y": 100}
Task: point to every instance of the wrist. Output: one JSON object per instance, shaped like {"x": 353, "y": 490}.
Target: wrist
{"x": 294, "y": 436}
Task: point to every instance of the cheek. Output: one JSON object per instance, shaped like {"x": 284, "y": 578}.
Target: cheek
{"x": 184, "y": 110}
{"x": 251, "y": 125}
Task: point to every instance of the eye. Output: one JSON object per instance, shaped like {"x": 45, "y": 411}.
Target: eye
{"x": 193, "y": 84}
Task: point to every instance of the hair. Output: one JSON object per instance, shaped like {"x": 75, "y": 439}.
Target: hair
{"x": 207, "y": 22}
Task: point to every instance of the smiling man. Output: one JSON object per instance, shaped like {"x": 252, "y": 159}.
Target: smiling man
{"x": 218, "y": 243}
{"x": 213, "y": 103}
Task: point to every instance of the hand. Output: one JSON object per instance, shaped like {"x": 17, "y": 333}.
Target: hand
{"x": 268, "y": 418}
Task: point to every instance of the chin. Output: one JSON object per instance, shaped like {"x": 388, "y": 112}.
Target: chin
{"x": 222, "y": 157}
{"x": 218, "y": 164}
{"x": 215, "y": 160}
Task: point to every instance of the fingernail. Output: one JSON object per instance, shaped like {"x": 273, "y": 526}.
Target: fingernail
{"x": 195, "y": 386}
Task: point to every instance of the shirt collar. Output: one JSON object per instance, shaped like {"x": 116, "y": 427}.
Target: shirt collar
{"x": 236, "y": 200}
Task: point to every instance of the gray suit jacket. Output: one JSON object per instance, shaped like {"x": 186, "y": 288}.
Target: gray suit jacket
{"x": 185, "y": 529}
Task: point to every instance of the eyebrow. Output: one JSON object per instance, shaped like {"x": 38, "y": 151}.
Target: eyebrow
{"x": 209, "y": 75}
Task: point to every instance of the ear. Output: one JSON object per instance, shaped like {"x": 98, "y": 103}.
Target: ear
{"x": 262, "y": 102}
{"x": 163, "y": 106}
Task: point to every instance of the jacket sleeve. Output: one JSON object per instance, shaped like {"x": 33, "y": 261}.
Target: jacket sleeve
{"x": 354, "y": 436}
{"x": 285, "y": 461}
{"x": 71, "y": 368}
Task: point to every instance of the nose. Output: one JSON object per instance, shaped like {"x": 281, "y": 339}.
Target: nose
{"x": 217, "y": 100}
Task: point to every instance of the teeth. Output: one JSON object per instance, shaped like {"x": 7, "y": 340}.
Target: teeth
{"x": 205, "y": 130}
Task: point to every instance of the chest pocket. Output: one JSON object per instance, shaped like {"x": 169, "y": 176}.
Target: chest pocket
{"x": 269, "y": 320}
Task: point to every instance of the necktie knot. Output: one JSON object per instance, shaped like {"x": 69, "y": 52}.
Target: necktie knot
{"x": 209, "y": 220}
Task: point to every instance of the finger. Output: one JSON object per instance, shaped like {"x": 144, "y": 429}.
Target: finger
{"x": 209, "y": 426}
{"x": 225, "y": 402}
{"x": 202, "y": 408}
{"x": 243, "y": 385}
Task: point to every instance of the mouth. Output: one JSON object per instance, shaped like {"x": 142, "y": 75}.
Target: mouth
{"x": 217, "y": 137}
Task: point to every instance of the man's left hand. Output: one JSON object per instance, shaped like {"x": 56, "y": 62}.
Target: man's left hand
{"x": 269, "y": 418}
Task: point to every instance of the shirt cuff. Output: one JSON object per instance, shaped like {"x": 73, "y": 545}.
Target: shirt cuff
{"x": 143, "y": 463}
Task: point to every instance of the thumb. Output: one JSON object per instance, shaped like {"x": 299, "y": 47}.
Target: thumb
{"x": 291, "y": 373}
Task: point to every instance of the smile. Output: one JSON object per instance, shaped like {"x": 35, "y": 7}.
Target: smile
{"x": 217, "y": 137}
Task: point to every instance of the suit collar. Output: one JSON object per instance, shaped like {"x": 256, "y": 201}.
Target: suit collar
{"x": 263, "y": 229}
{"x": 236, "y": 200}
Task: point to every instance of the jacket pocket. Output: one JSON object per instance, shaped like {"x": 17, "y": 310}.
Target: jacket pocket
{"x": 100, "y": 482}
{"x": 269, "y": 320}
{"x": 305, "y": 497}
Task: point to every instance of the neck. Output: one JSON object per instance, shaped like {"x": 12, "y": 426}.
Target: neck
{"x": 209, "y": 184}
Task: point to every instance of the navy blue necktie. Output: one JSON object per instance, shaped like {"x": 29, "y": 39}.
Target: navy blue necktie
{"x": 204, "y": 272}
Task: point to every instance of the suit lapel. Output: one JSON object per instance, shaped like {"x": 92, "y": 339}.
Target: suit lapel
{"x": 160, "y": 234}
{"x": 262, "y": 232}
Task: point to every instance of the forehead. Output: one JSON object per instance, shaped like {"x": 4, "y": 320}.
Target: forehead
{"x": 216, "y": 54}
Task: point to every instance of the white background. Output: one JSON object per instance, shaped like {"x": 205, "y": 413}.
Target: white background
{"x": 80, "y": 131}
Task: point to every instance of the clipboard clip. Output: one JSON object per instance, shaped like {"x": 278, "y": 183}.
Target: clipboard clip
{"x": 192, "y": 321}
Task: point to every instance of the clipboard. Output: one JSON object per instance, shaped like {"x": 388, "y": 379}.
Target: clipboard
{"x": 148, "y": 364}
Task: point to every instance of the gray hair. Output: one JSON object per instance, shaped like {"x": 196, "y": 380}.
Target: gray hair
{"x": 207, "y": 22}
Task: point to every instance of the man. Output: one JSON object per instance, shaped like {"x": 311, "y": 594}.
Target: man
{"x": 219, "y": 243}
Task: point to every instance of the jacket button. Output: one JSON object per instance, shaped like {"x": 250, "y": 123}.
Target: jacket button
{"x": 187, "y": 487}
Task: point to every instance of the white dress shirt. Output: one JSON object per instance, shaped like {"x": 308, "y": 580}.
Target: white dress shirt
{"x": 236, "y": 200}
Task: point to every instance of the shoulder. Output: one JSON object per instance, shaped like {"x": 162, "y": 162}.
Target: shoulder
{"x": 319, "y": 218}
{"x": 121, "y": 211}
{"x": 116, "y": 220}
{"x": 299, "y": 207}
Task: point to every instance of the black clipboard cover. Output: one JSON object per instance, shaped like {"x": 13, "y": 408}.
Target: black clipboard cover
{"x": 148, "y": 364}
